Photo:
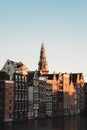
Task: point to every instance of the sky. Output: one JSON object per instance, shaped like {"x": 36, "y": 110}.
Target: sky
{"x": 60, "y": 24}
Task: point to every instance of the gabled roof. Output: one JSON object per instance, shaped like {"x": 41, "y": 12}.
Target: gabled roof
{"x": 16, "y": 67}
{"x": 15, "y": 64}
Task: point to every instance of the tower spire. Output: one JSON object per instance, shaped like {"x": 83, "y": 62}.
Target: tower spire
{"x": 43, "y": 65}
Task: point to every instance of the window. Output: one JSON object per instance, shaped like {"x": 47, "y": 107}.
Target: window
{"x": 19, "y": 77}
{"x": 10, "y": 93}
{"x": 10, "y": 86}
{"x": 16, "y": 85}
{"x": 22, "y": 106}
{"x": 75, "y": 102}
{"x": 16, "y": 95}
{"x": 75, "y": 96}
{"x": 25, "y": 79}
{"x": 19, "y": 86}
{"x": 10, "y": 116}
{"x": 10, "y": 108}
{"x": 8, "y": 69}
{"x": 16, "y": 77}
{"x": 42, "y": 98}
{"x": 49, "y": 98}
{"x": 48, "y": 106}
{"x": 22, "y": 95}
{"x": 36, "y": 96}
{"x": 22, "y": 78}
{"x": 36, "y": 83}
{"x": 25, "y": 105}
{"x": 15, "y": 115}
{"x": 22, "y": 86}
{"x": 6, "y": 93}
{"x": 25, "y": 86}
{"x": 60, "y": 87}
{"x": 19, "y": 106}
{"x": 19, "y": 95}
{"x": 1, "y": 86}
{"x": 16, "y": 106}
{"x": 10, "y": 101}
{"x": 25, "y": 114}
{"x": 25, "y": 95}
{"x": 36, "y": 106}
{"x": 6, "y": 99}
{"x": 36, "y": 89}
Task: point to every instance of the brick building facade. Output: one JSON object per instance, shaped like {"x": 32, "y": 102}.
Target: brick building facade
{"x": 6, "y": 97}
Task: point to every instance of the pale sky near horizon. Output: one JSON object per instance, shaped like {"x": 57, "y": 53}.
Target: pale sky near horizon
{"x": 61, "y": 24}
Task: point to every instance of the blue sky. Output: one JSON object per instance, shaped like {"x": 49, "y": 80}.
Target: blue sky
{"x": 61, "y": 24}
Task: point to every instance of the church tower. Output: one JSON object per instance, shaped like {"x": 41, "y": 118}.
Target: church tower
{"x": 43, "y": 65}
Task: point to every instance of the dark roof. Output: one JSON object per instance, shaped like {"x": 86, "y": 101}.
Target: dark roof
{"x": 50, "y": 76}
{"x": 57, "y": 75}
{"x": 85, "y": 83}
{"x": 4, "y": 76}
{"x": 73, "y": 77}
{"x": 19, "y": 64}
{"x": 30, "y": 76}
{"x": 80, "y": 74}
{"x": 85, "y": 87}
